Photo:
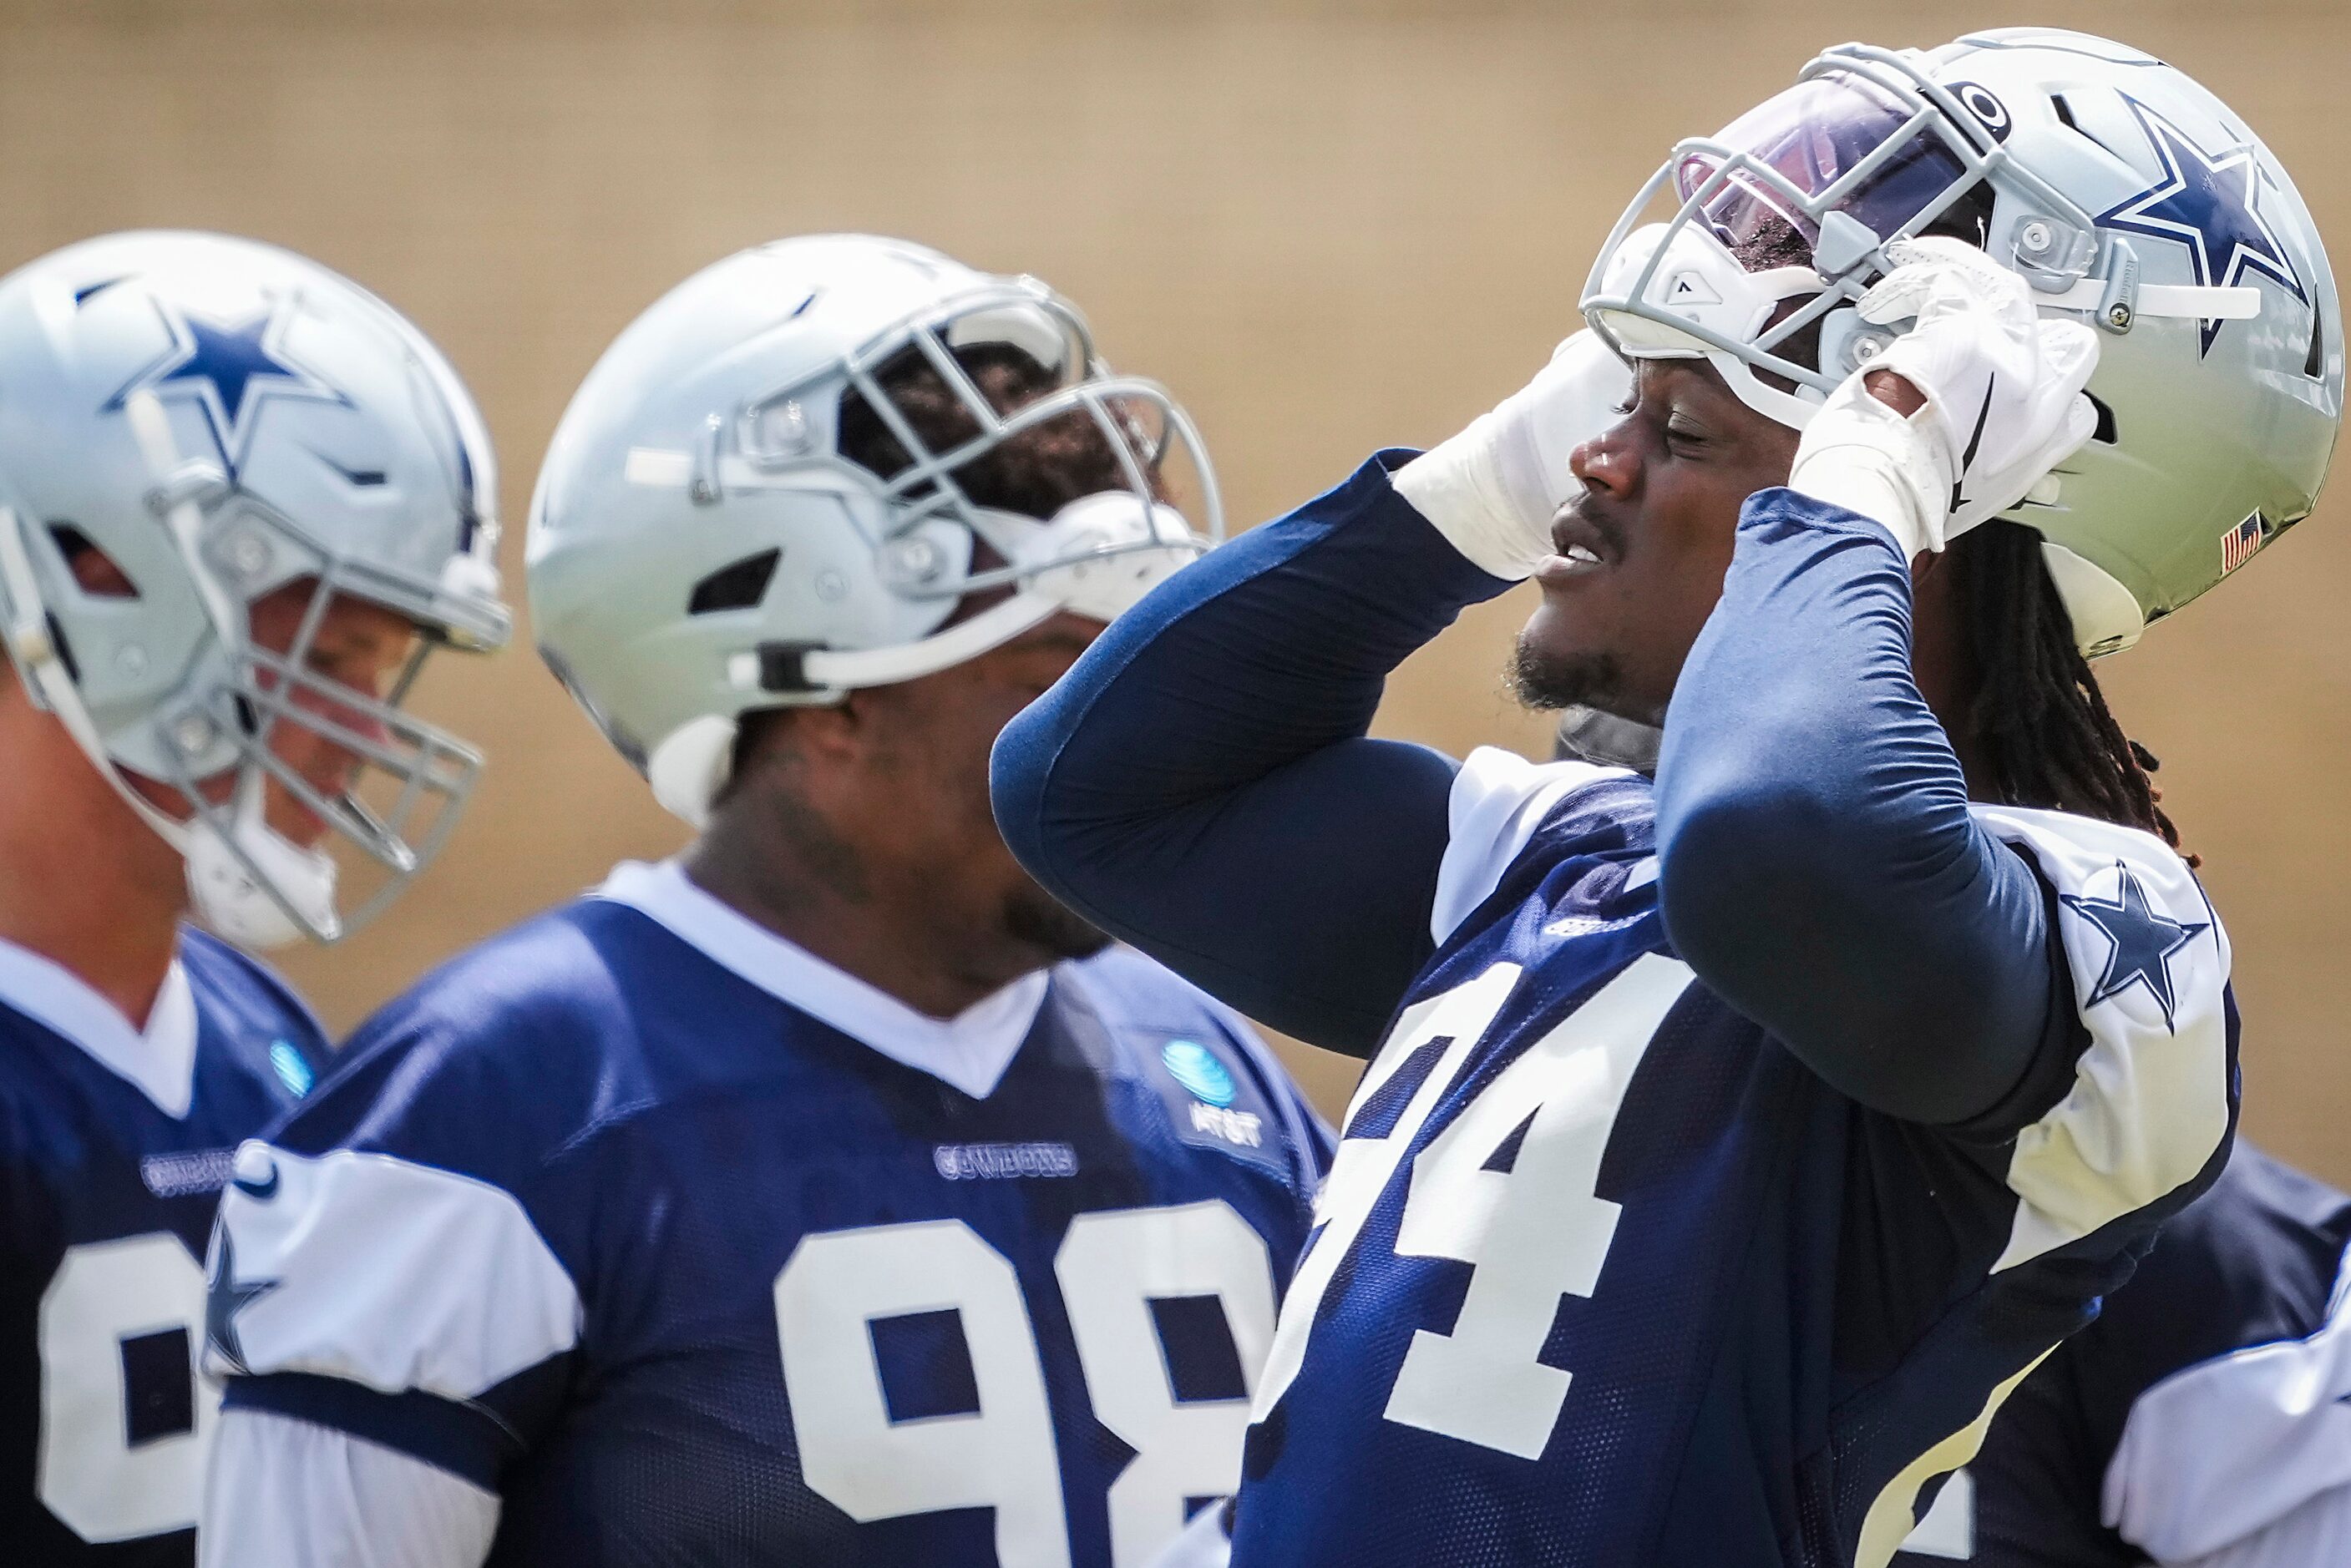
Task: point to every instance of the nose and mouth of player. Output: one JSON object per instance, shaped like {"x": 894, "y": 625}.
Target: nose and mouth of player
{"x": 1584, "y": 545}
{"x": 319, "y": 727}
{"x": 326, "y": 768}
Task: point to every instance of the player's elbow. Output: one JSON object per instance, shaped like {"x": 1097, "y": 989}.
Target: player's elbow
{"x": 1735, "y": 863}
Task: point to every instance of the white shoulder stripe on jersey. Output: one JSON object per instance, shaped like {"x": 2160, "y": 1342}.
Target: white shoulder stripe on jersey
{"x": 2228, "y": 1447}
{"x": 1499, "y": 800}
{"x": 2150, "y": 1104}
{"x": 389, "y": 1273}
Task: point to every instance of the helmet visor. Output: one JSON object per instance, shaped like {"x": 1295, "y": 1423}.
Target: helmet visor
{"x": 1778, "y": 168}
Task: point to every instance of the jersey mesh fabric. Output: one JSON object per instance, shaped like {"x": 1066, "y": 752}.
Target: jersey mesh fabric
{"x": 2254, "y": 1262}
{"x": 678, "y": 1138}
{"x": 87, "y": 1161}
{"x": 1797, "y": 1299}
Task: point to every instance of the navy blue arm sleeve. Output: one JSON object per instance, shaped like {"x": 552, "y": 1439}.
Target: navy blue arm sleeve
{"x": 1817, "y": 863}
{"x": 1200, "y": 783}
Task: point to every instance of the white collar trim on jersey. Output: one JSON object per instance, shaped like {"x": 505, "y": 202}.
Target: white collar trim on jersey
{"x": 160, "y": 1060}
{"x": 968, "y": 1052}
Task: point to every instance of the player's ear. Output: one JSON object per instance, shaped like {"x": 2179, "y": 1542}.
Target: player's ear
{"x": 842, "y": 733}
{"x": 779, "y": 740}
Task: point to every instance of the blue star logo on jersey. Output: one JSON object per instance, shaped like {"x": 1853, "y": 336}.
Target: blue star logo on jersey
{"x": 2211, "y": 202}
{"x": 231, "y": 370}
{"x": 2143, "y": 941}
{"x": 225, "y": 1297}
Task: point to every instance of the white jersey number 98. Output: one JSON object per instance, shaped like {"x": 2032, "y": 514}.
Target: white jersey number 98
{"x": 1110, "y": 1268}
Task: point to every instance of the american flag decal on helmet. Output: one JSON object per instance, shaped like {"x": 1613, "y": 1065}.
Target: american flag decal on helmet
{"x": 2238, "y": 545}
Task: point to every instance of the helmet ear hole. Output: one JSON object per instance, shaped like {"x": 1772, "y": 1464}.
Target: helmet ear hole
{"x": 2104, "y": 434}
{"x": 94, "y": 572}
{"x": 738, "y": 586}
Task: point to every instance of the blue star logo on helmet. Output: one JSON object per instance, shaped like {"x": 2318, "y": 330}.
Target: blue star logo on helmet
{"x": 2209, "y": 202}
{"x": 1196, "y": 1067}
{"x": 230, "y": 370}
{"x": 2141, "y": 939}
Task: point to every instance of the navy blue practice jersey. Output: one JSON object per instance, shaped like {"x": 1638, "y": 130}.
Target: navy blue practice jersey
{"x": 2205, "y": 1418}
{"x": 113, "y": 1149}
{"x": 1604, "y": 1276}
{"x": 686, "y": 1275}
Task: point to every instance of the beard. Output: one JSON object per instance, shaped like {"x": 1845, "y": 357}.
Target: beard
{"x": 1548, "y": 681}
{"x": 1032, "y": 916}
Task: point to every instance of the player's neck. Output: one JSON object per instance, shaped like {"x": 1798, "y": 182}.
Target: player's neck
{"x": 83, "y": 882}
{"x": 813, "y": 898}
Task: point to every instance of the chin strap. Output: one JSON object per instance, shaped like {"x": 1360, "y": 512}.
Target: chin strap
{"x": 247, "y": 883}
{"x": 1096, "y": 557}
{"x": 227, "y": 896}
{"x": 997, "y": 624}
{"x": 2236, "y": 303}
{"x": 43, "y": 664}
{"x": 693, "y": 762}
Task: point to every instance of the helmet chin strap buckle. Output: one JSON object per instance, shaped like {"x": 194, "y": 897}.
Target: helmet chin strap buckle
{"x": 783, "y": 667}
{"x": 31, "y": 643}
{"x": 1846, "y": 245}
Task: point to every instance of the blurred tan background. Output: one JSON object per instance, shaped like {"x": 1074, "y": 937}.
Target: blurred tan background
{"x": 1330, "y": 227}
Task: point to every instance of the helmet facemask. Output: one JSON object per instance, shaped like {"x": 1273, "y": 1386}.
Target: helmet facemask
{"x": 405, "y": 778}
{"x": 1157, "y": 450}
{"x": 973, "y": 524}
{"x": 213, "y": 742}
{"x": 1861, "y": 153}
{"x": 1872, "y": 146}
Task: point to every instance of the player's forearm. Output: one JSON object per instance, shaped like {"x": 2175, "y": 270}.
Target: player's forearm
{"x": 1200, "y": 784}
{"x": 284, "y": 1493}
{"x": 1818, "y": 863}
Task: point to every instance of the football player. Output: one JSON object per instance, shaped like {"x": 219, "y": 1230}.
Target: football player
{"x": 2203, "y": 1421}
{"x": 1732, "y": 1146}
{"x": 239, "y": 499}
{"x": 828, "y": 1195}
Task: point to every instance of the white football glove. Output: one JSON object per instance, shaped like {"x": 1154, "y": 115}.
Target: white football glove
{"x": 1494, "y": 489}
{"x": 2003, "y": 392}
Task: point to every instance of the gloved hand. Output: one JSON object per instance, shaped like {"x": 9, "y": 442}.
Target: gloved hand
{"x": 2003, "y": 392}
{"x": 1494, "y": 489}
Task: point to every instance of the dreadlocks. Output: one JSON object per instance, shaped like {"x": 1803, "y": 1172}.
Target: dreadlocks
{"x": 2042, "y": 725}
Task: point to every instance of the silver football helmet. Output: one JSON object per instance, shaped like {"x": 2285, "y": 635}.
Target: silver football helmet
{"x": 224, "y": 421}
{"x": 2122, "y": 191}
{"x": 700, "y": 546}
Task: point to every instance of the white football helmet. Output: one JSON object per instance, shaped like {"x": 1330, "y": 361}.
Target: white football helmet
{"x": 222, "y": 419}
{"x": 700, "y": 547}
{"x": 2127, "y": 195}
